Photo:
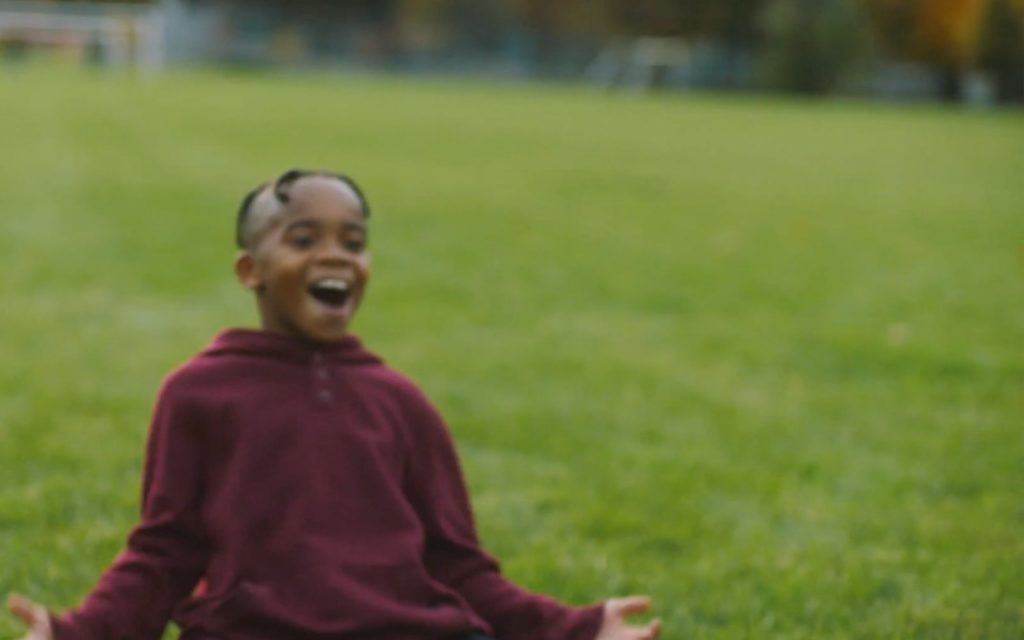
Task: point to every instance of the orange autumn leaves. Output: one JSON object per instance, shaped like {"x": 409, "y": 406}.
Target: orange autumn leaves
{"x": 946, "y": 32}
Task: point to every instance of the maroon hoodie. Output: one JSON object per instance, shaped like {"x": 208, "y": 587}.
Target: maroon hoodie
{"x": 311, "y": 492}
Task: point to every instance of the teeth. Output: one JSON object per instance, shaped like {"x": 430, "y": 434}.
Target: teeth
{"x": 332, "y": 284}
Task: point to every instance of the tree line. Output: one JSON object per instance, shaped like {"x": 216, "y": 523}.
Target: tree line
{"x": 807, "y": 46}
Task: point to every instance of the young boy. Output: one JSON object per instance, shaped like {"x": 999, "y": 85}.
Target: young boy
{"x": 296, "y": 487}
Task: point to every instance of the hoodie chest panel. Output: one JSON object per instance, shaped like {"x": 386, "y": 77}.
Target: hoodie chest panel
{"x": 310, "y": 448}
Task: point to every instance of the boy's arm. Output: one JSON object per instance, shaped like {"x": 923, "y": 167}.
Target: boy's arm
{"x": 453, "y": 554}
{"x": 165, "y": 553}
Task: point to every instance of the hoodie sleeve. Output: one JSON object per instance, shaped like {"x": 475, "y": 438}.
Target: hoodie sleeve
{"x": 454, "y": 555}
{"x": 165, "y": 553}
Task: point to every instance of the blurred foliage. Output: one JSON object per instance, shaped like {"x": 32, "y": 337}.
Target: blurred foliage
{"x": 954, "y": 35}
{"x": 94, "y": 1}
{"x": 811, "y": 45}
{"x": 940, "y": 31}
{"x": 734, "y": 21}
{"x": 1002, "y": 48}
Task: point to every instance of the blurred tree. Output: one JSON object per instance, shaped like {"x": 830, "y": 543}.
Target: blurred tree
{"x": 571, "y": 16}
{"x": 812, "y": 44}
{"x": 941, "y": 33}
{"x": 732, "y": 26}
{"x": 546, "y": 21}
{"x": 651, "y": 18}
{"x": 947, "y": 32}
{"x": 735, "y": 21}
{"x": 1002, "y": 48}
{"x": 738, "y": 22}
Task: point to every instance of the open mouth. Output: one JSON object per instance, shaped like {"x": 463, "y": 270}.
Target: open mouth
{"x": 330, "y": 291}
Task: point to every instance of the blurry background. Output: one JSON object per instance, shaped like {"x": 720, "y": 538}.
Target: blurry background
{"x": 968, "y": 50}
{"x": 697, "y": 335}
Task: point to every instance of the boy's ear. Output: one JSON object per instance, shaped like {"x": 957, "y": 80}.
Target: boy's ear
{"x": 246, "y": 271}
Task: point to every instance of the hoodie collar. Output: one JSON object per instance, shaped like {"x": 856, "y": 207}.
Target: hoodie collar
{"x": 257, "y": 342}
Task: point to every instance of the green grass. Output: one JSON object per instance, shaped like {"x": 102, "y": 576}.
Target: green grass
{"x": 762, "y": 359}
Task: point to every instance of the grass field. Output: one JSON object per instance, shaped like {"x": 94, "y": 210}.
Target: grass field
{"x": 760, "y": 358}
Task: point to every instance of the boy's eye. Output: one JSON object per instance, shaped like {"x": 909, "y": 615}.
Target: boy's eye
{"x": 302, "y": 242}
{"x": 355, "y": 246}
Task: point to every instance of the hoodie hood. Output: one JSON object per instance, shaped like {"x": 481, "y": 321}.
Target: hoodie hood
{"x": 257, "y": 343}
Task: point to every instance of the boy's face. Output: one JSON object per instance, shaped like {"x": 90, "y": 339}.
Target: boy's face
{"x": 307, "y": 260}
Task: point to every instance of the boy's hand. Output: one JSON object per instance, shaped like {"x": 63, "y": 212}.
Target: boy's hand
{"x": 35, "y": 617}
{"x": 615, "y": 626}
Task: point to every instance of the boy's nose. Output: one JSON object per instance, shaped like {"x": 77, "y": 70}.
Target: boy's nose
{"x": 335, "y": 252}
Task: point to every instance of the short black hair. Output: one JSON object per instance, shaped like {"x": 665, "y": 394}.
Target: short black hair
{"x": 281, "y": 187}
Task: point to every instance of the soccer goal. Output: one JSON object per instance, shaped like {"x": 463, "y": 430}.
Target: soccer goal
{"x": 643, "y": 63}
{"x": 116, "y": 35}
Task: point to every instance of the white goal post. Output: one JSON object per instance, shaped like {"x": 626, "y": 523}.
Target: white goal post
{"x": 638, "y": 62}
{"x": 123, "y": 33}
